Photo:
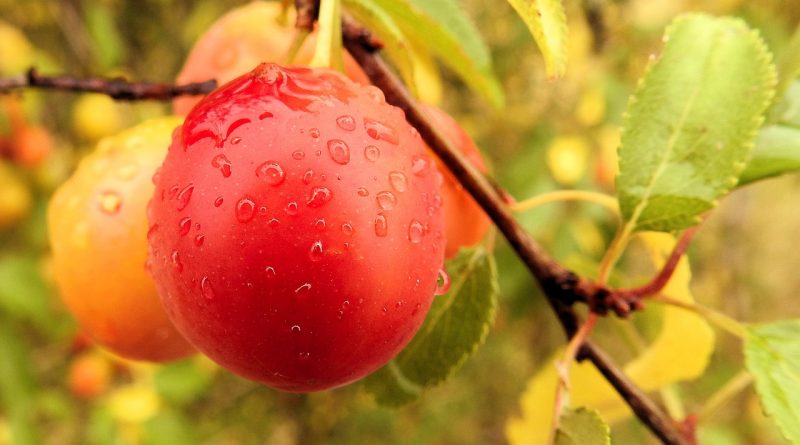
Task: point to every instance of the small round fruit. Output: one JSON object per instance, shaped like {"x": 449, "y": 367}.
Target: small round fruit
{"x": 89, "y": 375}
{"x": 465, "y": 221}
{"x": 95, "y": 116}
{"x": 98, "y": 227}
{"x": 240, "y": 40}
{"x": 15, "y": 197}
{"x": 292, "y": 239}
{"x": 31, "y": 145}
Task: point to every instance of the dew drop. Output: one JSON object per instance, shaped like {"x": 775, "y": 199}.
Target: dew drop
{"x": 381, "y": 227}
{"x": 317, "y": 251}
{"x": 417, "y": 307}
{"x": 398, "y": 181}
{"x": 304, "y": 355}
{"x": 346, "y": 122}
{"x": 416, "y": 230}
{"x": 303, "y": 289}
{"x": 362, "y": 191}
{"x": 245, "y": 209}
{"x": 236, "y": 140}
{"x": 319, "y": 196}
{"x": 218, "y": 201}
{"x": 319, "y": 225}
{"x": 296, "y": 328}
{"x": 271, "y": 172}
{"x": 184, "y": 225}
{"x": 199, "y": 239}
{"x": 442, "y": 283}
{"x": 298, "y": 155}
{"x": 386, "y": 200}
{"x": 205, "y": 287}
{"x": 347, "y": 229}
{"x": 184, "y": 196}
{"x": 372, "y": 153}
{"x": 273, "y": 223}
{"x": 379, "y": 131}
{"x": 314, "y": 133}
{"x": 129, "y": 171}
{"x": 308, "y": 176}
{"x": 339, "y": 151}
{"x": 418, "y": 165}
{"x": 110, "y": 202}
{"x": 262, "y": 210}
{"x": 222, "y": 163}
{"x": 176, "y": 261}
{"x": 375, "y": 93}
{"x": 270, "y": 271}
{"x": 291, "y": 208}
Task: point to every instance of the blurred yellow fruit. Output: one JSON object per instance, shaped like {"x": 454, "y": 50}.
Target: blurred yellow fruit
{"x": 15, "y": 197}
{"x": 591, "y": 107}
{"x": 567, "y": 159}
{"x": 95, "y": 116}
{"x": 16, "y": 52}
{"x": 134, "y": 403}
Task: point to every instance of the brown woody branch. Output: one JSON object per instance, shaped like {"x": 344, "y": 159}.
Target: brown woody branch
{"x": 117, "y": 88}
{"x": 561, "y": 286}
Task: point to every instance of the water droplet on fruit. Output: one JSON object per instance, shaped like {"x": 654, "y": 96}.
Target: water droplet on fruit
{"x": 314, "y": 133}
{"x": 339, "y": 151}
{"x": 236, "y": 140}
{"x": 205, "y": 287}
{"x": 416, "y": 230}
{"x": 317, "y": 252}
{"x": 198, "y": 240}
{"x": 262, "y": 210}
{"x": 417, "y": 307}
{"x": 298, "y": 155}
{"x": 418, "y": 165}
{"x": 218, "y": 201}
{"x": 372, "y": 153}
{"x": 245, "y": 209}
{"x": 379, "y": 131}
{"x": 442, "y": 283}
{"x": 362, "y": 191}
{"x": 296, "y": 328}
{"x": 346, "y": 122}
{"x": 291, "y": 208}
{"x": 398, "y": 181}
{"x": 271, "y": 172}
{"x": 184, "y": 225}
{"x": 437, "y": 200}
{"x": 184, "y": 196}
{"x": 308, "y": 176}
{"x": 222, "y": 163}
{"x": 304, "y": 355}
{"x": 265, "y": 115}
{"x": 319, "y": 224}
{"x": 176, "y": 261}
{"x": 303, "y": 289}
{"x": 385, "y": 310}
{"x": 319, "y": 196}
{"x": 375, "y": 93}
{"x": 347, "y": 229}
{"x": 110, "y": 202}
{"x": 381, "y": 227}
{"x": 273, "y": 223}
{"x": 270, "y": 271}
{"x": 386, "y": 200}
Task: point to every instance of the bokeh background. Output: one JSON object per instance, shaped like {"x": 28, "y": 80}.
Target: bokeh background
{"x": 57, "y": 388}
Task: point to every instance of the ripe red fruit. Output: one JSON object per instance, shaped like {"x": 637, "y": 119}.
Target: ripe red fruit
{"x": 465, "y": 221}
{"x": 296, "y": 237}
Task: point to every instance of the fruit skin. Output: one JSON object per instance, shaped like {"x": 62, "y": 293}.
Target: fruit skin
{"x": 240, "y": 40}
{"x": 316, "y": 264}
{"x": 97, "y": 225}
{"x": 465, "y": 221}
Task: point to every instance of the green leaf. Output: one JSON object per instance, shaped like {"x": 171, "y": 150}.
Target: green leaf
{"x": 23, "y": 293}
{"x": 772, "y": 355}
{"x": 582, "y": 426}
{"x": 547, "y": 23}
{"x": 447, "y": 39}
{"x": 777, "y": 152}
{"x": 17, "y": 388}
{"x": 183, "y": 381}
{"x": 689, "y": 128}
{"x": 789, "y": 62}
{"x": 456, "y": 325}
{"x": 787, "y": 110}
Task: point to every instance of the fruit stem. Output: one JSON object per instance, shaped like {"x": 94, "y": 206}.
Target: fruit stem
{"x": 722, "y": 396}
{"x": 722, "y": 321}
{"x": 328, "y": 53}
{"x": 598, "y": 198}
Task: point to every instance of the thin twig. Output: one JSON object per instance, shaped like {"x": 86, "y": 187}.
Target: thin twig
{"x": 117, "y": 88}
{"x": 561, "y": 286}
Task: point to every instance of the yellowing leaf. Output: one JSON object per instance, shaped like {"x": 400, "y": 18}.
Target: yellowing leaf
{"x": 547, "y": 23}
{"x": 680, "y": 352}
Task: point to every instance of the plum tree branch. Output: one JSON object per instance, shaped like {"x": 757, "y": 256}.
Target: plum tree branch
{"x": 561, "y": 286}
{"x": 117, "y": 88}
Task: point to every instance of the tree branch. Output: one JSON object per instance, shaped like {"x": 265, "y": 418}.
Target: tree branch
{"x": 561, "y": 286}
{"x": 117, "y": 88}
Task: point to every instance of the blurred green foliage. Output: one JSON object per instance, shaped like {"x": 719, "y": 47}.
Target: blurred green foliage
{"x": 744, "y": 259}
